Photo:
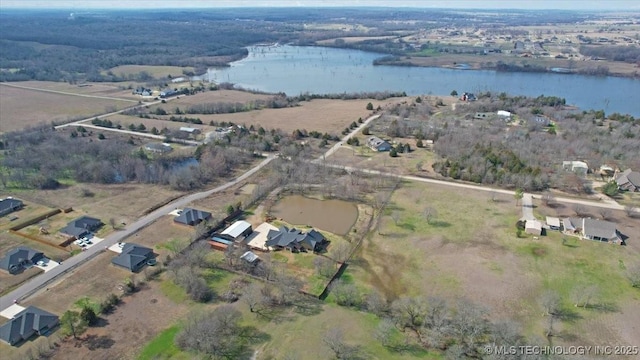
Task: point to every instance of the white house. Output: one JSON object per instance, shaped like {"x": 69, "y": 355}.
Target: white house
{"x": 578, "y": 167}
{"x": 504, "y": 113}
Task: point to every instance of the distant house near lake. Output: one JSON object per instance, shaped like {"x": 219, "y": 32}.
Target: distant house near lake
{"x": 9, "y": 205}
{"x": 629, "y": 180}
{"x": 377, "y": 144}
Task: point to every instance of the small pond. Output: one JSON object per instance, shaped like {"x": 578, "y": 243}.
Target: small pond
{"x": 335, "y": 216}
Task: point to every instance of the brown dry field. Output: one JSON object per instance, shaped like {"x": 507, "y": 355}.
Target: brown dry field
{"x": 153, "y": 70}
{"x": 330, "y": 116}
{"x": 115, "y": 90}
{"x": 212, "y": 96}
{"x": 123, "y": 202}
{"x": 20, "y": 108}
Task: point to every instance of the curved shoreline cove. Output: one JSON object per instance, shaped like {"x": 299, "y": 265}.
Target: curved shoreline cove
{"x": 320, "y": 70}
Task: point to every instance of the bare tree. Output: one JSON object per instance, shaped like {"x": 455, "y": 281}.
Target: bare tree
{"x": 549, "y": 199}
{"x": 215, "y": 333}
{"x": 550, "y": 302}
{"x": 112, "y": 223}
{"x": 254, "y": 297}
{"x": 469, "y": 325}
{"x": 580, "y": 210}
{"x": 396, "y": 216}
{"x": 346, "y": 294}
{"x": 430, "y": 214}
{"x": 376, "y": 303}
{"x": 631, "y": 211}
{"x": 340, "y": 252}
{"x": 633, "y": 274}
{"x": 605, "y": 213}
{"x": 584, "y": 294}
{"x": 324, "y": 267}
{"x": 334, "y": 339}
{"x": 384, "y": 333}
{"x": 409, "y": 312}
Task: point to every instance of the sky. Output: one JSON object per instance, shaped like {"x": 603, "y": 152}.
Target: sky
{"x": 458, "y": 4}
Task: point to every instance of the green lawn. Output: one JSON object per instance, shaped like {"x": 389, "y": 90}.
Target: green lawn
{"x": 163, "y": 347}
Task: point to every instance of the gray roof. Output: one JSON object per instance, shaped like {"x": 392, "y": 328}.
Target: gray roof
{"x": 376, "y": 142}
{"x": 26, "y": 323}
{"x": 249, "y": 256}
{"x": 191, "y": 216}
{"x": 17, "y": 256}
{"x": 236, "y": 229}
{"x": 294, "y": 238}
{"x": 600, "y": 228}
{"x": 629, "y": 176}
{"x": 81, "y": 226}
{"x": 9, "y": 204}
{"x": 133, "y": 256}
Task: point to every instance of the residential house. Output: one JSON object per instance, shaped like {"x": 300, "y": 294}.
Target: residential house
{"x": 578, "y": 167}
{"x": 143, "y": 91}
{"x": 9, "y": 205}
{"x": 468, "y": 97}
{"x": 593, "y": 229}
{"x": 236, "y": 231}
{"x": 629, "y": 180}
{"x": 190, "y": 130}
{"x": 192, "y": 217}
{"x": 168, "y": 93}
{"x": 81, "y": 226}
{"x": 295, "y": 240}
{"x": 17, "y": 259}
{"x": 28, "y": 322}
{"x": 158, "y": 148}
{"x": 540, "y": 120}
{"x": 377, "y": 144}
{"x": 133, "y": 257}
{"x": 504, "y": 114}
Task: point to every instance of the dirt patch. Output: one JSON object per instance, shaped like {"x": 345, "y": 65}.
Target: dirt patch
{"x": 124, "y": 333}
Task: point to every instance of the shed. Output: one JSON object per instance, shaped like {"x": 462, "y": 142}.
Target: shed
{"x": 533, "y": 227}
{"x": 238, "y": 229}
{"x": 554, "y": 223}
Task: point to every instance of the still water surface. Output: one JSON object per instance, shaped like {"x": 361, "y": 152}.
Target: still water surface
{"x": 298, "y": 69}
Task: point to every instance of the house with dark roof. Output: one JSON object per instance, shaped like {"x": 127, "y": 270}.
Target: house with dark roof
{"x": 17, "y": 259}
{"x": 81, "y": 226}
{"x": 133, "y": 257}
{"x": 593, "y": 229}
{"x": 192, "y": 217}
{"x": 27, "y": 323}
{"x": 9, "y": 205}
{"x": 377, "y": 144}
{"x": 295, "y": 240}
{"x": 629, "y": 180}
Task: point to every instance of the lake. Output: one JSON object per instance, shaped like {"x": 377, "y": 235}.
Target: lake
{"x": 298, "y": 69}
{"x": 335, "y": 216}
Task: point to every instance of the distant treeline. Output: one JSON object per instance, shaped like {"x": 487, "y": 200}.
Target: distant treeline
{"x": 629, "y": 54}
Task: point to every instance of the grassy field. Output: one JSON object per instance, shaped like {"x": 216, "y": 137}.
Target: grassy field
{"x": 471, "y": 251}
{"x": 23, "y": 107}
{"x": 155, "y": 71}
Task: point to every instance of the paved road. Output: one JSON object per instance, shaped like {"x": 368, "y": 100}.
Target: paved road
{"x": 607, "y": 205}
{"x": 44, "y": 279}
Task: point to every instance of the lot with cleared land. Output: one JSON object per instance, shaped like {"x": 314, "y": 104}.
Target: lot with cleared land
{"x": 470, "y": 250}
{"x": 155, "y": 71}
{"x": 322, "y": 115}
{"x": 21, "y": 108}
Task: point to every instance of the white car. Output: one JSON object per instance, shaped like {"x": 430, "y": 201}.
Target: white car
{"x": 41, "y": 263}
{"x": 80, "y": 242}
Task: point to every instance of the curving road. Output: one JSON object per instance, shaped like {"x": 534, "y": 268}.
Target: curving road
{"x": 50, "y": 276}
